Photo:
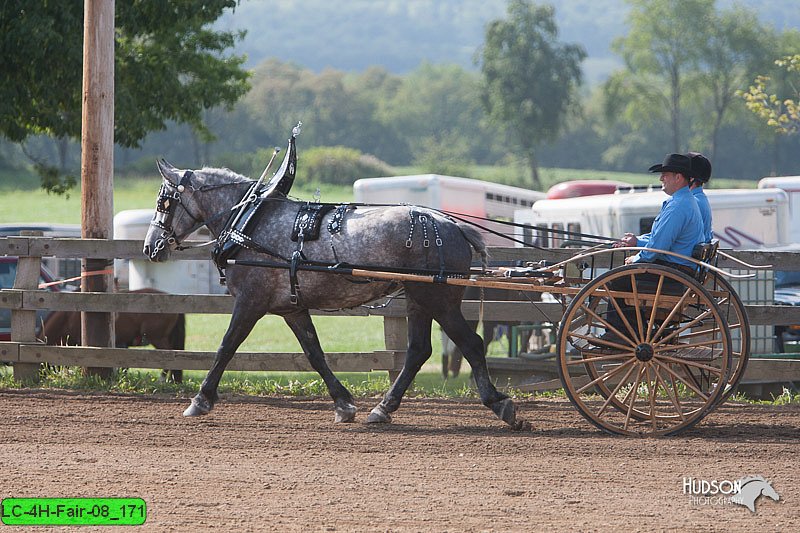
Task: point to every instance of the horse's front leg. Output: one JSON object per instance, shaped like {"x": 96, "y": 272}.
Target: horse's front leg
{"x": 242, "y": 322}
{"x": 303, "y": 328}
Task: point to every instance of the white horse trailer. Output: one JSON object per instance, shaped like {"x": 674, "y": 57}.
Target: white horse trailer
{"x": 742, "y": 219}
{"x": 177, "y": 277}
{"x": 474, "y": 199}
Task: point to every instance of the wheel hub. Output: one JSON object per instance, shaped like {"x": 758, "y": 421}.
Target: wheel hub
{"x": 644, "y": 352}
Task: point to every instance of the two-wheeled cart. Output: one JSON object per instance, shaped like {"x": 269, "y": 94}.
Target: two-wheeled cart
{"x": 679, "y": 347}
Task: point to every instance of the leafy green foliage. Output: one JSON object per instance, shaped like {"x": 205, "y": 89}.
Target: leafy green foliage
{"x": 530, "y": 79}
{"x": 781, "y": 114}
{"x": 169, "y": 67}
{"x": 340, "y": 165}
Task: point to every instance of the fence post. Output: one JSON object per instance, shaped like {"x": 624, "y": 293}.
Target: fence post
{"x": 23, "y": 321}
{"x": 395, "y": 334}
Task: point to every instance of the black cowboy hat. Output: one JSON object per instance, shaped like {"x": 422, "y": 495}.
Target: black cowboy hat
{"x": 675, "y": 163}
{"x": 701, "y": 167}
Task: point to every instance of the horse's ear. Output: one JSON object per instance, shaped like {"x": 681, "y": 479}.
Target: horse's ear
{"x": 167, "y": 171}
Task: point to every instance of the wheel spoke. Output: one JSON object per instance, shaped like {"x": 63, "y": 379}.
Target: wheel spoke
{"x": 608, "y": 327}
{"x": 616, "y": 390}
{"x": 672, "y": 313}
{"x": 606, "y": 376}
{"x": 689, "y": 362}
{"x": 651, "y": 389}
{"x": 653, "y": 310}
{"x": 607, "y": 357}
{"x": 672, "y": 398}
{"x": 621, "y": 315}
{"x": 636, "y": 307}
{"x": 632, "y": 394}
{"x": 602, "y": 341}
{"x": 697, "y": 391}
{"x": 696, "y": 320}
{"x": 699, "y": 344}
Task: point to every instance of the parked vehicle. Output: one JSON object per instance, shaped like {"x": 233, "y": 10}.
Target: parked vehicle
{"x": 8, "y": 272}
{"x": 59, "y": 267}
{"x": 468, "y": 197}
{"x": 787, "y": 283}
{"x": 577, "y": 188}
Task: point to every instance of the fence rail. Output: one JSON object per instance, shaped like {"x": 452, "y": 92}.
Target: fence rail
{"x": 25, "y": 300}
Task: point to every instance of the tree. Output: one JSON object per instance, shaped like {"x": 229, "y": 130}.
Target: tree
{"x": 664, "y": 46}
{"x": 169, "y": 67}
{"x": 529, "y": 79}
{"x": 781, "y": 114}
{"x": 735, "y": 43}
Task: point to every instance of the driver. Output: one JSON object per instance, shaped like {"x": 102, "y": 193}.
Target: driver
{"x": 677, "y": 228}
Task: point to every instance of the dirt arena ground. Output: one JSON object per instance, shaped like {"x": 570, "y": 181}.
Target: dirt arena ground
{"x": 281, "y": 464}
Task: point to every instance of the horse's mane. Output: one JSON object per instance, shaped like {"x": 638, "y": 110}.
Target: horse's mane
{"x": 217, "y": 176}
{"x": 744, "y": 481}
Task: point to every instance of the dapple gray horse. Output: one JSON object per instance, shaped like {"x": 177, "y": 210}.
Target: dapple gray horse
{"x": 368, "y": 236}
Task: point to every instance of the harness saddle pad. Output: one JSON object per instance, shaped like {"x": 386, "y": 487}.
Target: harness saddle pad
{"x": 308, "y": 221}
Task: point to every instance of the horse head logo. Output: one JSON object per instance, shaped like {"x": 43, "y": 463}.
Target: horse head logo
{"x": 752, "y": 488}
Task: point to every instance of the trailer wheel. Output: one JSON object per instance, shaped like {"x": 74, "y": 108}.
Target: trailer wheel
{"x": 670, "y": 363}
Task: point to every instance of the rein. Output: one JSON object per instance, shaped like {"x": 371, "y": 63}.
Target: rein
{"x": 470, "y": 219}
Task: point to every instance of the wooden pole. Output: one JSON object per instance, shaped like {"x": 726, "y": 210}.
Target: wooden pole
{"x": 97, "y": 161}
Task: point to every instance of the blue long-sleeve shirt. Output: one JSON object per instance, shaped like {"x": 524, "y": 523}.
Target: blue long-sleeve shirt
{"x": 705, "y": 212}
{"x": 677, "y": 228}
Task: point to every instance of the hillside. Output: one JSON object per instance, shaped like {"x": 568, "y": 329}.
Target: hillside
{"x": 400, "y": 34}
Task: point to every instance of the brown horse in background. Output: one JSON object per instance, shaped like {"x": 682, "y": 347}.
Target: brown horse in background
{"x": 165, "y": 331}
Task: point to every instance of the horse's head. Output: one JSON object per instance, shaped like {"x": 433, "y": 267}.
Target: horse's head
{"x": 173, "y": 220}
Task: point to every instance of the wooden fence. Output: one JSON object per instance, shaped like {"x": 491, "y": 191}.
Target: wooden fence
{"x": 24, "y": 300}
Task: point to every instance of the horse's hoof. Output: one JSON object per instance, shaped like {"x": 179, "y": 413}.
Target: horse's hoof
{"x": 379, "y": 416}
{"x": 344, "y": 414}
{"x": 507, "y": 412}
{"x": 199, "y": 406}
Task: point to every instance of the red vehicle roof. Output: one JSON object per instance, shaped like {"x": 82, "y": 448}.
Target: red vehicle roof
{"x": 575, "y": 188}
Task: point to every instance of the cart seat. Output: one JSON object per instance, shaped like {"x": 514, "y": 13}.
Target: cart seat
{"x": 705, "y": 252}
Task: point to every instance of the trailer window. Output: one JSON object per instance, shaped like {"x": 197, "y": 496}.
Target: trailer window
{"x": 558, "y": 238}
{"x": 540, "y": 236}
{"x": 646, "y": 224}
{"x": 574, "y": 228}
{"x": 527, "y": 235}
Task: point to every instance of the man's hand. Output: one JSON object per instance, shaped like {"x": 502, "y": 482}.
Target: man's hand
{"x": 628, "y": 240}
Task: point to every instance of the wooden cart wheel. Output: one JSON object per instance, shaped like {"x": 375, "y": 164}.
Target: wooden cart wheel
{"x": 738, "y": 324}
{"x": 662, "y": 373}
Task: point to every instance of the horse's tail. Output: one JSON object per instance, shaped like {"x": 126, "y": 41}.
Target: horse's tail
{"x": 177, "y": 337}
{"x": 475, "y": 238}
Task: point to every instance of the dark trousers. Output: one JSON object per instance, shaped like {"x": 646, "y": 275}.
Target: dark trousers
{"x": 647, "y": 284}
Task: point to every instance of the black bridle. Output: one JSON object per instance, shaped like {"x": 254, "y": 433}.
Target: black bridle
{"x": 169, "y": 196}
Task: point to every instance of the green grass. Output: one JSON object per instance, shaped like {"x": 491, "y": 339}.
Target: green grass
{"x": 36, "y": 205}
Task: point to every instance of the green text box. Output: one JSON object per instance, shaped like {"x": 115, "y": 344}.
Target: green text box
{"x": 73, "y": 511}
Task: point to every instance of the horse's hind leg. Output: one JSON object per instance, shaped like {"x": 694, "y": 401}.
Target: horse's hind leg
{"x": 303, "y": 328}
{"x": 471, "y": 345}
{"x": 419, "y": 350}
